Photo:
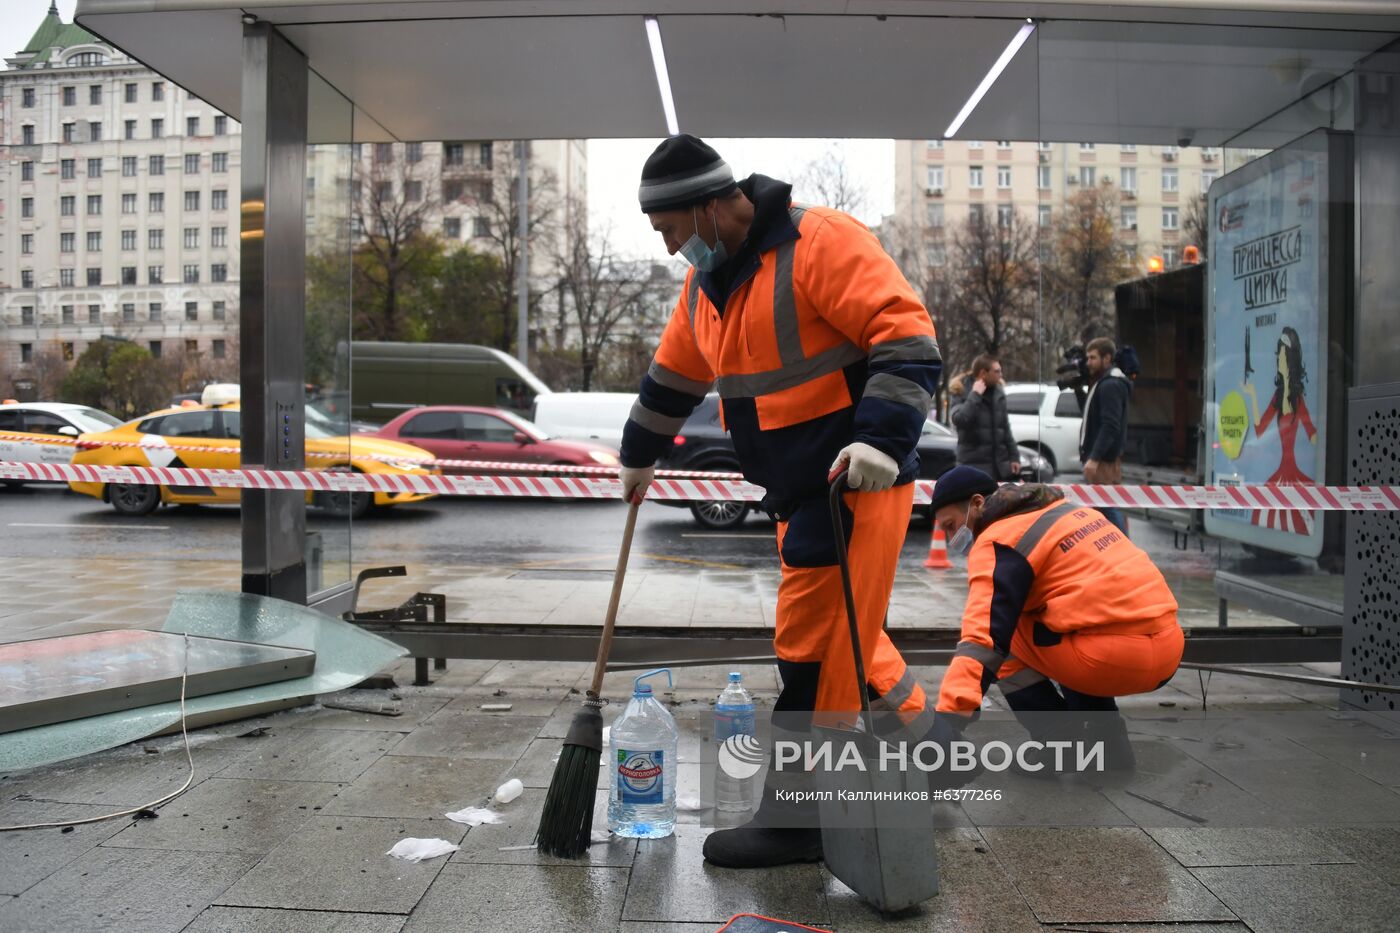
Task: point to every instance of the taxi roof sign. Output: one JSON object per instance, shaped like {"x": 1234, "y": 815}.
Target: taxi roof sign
{"x": 220, "y": 393}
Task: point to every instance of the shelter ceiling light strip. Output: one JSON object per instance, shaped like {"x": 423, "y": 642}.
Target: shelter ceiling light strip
{"x": 663, "y": 79}
{"x": 1007, "y": 54}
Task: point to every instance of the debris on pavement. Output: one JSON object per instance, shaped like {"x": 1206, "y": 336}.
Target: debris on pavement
{"x": 416, "y": 850}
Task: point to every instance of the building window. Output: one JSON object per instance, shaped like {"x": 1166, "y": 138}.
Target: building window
{"x": 413, "y": 153}
{"x": 1042, "y": 177}
{"x": 65, "y": 278}
{"x": 218, "y": 272}
{"x": 218, "y": 199}
{"x": 192, "y": 307}
{"x": 935, "y": 216}
{"x": 153, "y": 311}
{"x": 481, "y": 226}
{"x": 1208, "y": 177}
{"x": 192, "y": 163}
{"x": 191, "y": 274}
{"x": 94, "y": 314}
{"x": 128, "y": 240}
{"x": 1171, "y": 218}
{"x": 128, "y": 129}
{"x": 157, "y": 165}
{"x": 1127, "y": 178}
{"x": 27, "y": 98}
{"x": 155, "y": 275}
{"x": 70, "y": 96}
{"x": 192, "y": 346}
{"x": 1044, "y": 217}
{"x": 67, "y": 169}
{"x": 26, "y": 352}
{"x": 94, "y": 205}
{"x": 26, "y": 278}
{"x": 128, "y": 166}
{"x": 191, "y": 238}
{"x": 1169, "y": 257}
{"x": 67, "y": 242}
{"x": 128, "y": 203}
{"x": 1087, "y": 176}
{"x": 1129, "y": 218}
{"x": 218, "y": 236}
{"x": 128, "y": 312}
{"x": 452, "y": 191}
{"x": 26, "y": 315}
{"x": 94, "y": 94}
{"x": 67, "y": 350}
{"x": 157, "y": 90}
{"x": 1003, "y": 176}
{"x": 1170, "y": 180}
{"x": 156, "y": 202}
{"x": 191, "y": 126}
{"x": 218, "y": 311}
{"x": 26, "y": 171}
{"x": 94, "y": 242}
{"x": 218, "y": 162}
{"x": 94, "y": 168}
{"x": 69, "y": 134}
{"x": 974, "y": 176}
{"x": 1128, "y": 147}
{"x": 191, "y": 200}
{"x": 26, "y": 207}
{"x": 937, "y": 254}
{"x": 221, "y": 126}
{"x": 217, "y": 348}
{"x": 94, "y": 277}
{"x": 1005, "y": 213}
{"x": 155, "y": 238}
{"x": 412, "y": 191}
{"x": 975, "y": 215}
{"x": 157, "y": 128}
{"x": 66, "y": 314}
{"x": 1086, "y": 147}
{"x": 453, "y": 154}
{"x": 68, "y": 205}
{"x": 487, "y": 194}
{"x": 452, "y": 228}
{"x": 85, "y": 59}
{"x": 384, "y": 153}
{"x": 974, "y": 144}
{"x": 155, "y": 348}
{"x": 128, "y": 275}
{"x": 26, "y": 244}
{"x": 485, "y": 156}
{"x": 129, "y": 95}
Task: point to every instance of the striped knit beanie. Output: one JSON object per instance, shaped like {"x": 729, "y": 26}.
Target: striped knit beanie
{"x": 683, "y": 171}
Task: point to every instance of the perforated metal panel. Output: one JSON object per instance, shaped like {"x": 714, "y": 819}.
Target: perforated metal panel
{"x": 1371, "y": 626}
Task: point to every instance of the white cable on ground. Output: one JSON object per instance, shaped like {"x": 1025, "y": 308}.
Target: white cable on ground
{"x": 189, "y": 757}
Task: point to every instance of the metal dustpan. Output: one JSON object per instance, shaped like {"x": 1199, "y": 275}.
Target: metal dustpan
{"x": 877, "y": 822}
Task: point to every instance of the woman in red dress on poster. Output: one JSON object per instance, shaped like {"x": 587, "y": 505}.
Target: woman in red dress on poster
{"x": 1291, "y": 410}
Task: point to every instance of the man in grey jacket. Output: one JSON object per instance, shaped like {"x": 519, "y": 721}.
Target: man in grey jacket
{"x": 984, "y": 431}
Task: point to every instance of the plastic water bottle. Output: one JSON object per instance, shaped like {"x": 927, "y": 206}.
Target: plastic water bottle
{"x": 642, "y": 757}
{"x": 734, "y": 716}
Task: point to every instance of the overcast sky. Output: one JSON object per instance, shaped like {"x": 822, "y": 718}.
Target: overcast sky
{"x": 615, "y": 165}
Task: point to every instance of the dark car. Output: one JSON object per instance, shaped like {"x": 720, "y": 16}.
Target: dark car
{"x": 703, "y": 444}
{"x": 461, "y": 432}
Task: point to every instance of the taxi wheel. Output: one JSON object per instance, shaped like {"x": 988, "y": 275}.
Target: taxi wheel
{"x": 342, "y": 504}
{"x": 133, "y": 500}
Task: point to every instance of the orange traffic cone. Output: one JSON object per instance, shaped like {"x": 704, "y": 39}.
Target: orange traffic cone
{"x": 938, "y": 551}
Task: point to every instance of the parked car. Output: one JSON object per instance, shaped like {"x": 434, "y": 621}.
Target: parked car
{"x": 44, "y": 425}
{"x": 460, "y": 432}
{"x": 1046, "y": 419}
{"x": 220, "y": 428}
{"x": 584, "y": 416}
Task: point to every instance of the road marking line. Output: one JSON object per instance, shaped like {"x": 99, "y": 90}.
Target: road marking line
{"x": 721, "y": 534}
{"x": 76, "y": 525}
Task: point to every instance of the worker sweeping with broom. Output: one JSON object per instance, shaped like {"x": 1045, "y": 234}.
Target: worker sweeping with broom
{"x": 824, "y": 359}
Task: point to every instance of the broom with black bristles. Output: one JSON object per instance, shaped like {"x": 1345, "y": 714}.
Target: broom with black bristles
{"x": 567, "y": 821}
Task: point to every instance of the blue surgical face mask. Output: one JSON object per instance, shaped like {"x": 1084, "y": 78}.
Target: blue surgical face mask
{"x": 961, "y": 544}
{"x": 700, "y": 254}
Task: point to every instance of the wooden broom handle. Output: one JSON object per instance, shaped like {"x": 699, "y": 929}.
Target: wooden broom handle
{"x": 605, "y": 645}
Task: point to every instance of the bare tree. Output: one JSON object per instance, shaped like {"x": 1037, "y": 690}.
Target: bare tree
{"x": 1195, "y": 224}
{"x": 396, "y": 258}
{"x": 48, "y": 367}
{"x": 1085, "y": 259}
{"x": 828, "y": 181}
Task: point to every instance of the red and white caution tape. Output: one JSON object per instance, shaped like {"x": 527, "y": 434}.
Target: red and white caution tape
{"x": 697, "y": 487}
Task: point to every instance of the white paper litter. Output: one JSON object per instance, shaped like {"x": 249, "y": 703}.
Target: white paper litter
{"x": 416, "y": 850}
{"x": 689, "y": 804}
{"x": 474, "y": 816}
{"x": 509, "y": 790}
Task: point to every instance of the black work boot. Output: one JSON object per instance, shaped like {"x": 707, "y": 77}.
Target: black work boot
{"x": 1112, "y": 731}
{"x": 1041, "y": 710}
{"x": 755, "y": 845}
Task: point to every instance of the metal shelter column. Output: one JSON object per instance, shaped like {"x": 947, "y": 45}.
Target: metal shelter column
{"x": 272, "y": 297}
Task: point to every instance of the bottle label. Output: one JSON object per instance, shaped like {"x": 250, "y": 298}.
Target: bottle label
{"x": 736, "y": 721}
{"x": 639, "y": 776}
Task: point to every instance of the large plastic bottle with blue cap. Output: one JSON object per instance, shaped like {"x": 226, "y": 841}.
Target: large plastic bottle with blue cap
{"x": 642, "y": 766}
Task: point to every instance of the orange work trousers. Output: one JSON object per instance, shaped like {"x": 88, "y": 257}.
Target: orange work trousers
{"x": 1113, "y": 660}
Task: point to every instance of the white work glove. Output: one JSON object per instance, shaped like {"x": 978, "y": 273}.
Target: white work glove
{"x": 635, "y": 481}
{"x": 867, "y": 469}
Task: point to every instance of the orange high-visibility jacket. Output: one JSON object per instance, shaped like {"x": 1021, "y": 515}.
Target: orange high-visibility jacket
{"x": 1053, "y": 566}
{"x": 813, "y": 339}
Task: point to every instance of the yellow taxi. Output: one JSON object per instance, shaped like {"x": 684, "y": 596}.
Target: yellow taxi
{"x": 172, "y": 437}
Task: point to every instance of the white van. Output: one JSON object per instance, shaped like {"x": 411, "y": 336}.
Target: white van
{"x": 584, "y": 416}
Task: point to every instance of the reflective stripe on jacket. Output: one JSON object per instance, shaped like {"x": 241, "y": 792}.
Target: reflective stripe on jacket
{"x": 1063, "y": 567}
{"x": 818, "y": 342}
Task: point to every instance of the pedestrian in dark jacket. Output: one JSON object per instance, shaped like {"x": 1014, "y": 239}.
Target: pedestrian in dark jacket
{"x": 984, "y": 431}
{"x": 1103, "y": 431}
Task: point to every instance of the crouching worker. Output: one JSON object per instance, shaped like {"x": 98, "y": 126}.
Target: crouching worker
{"x": 1063, "y": 612}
